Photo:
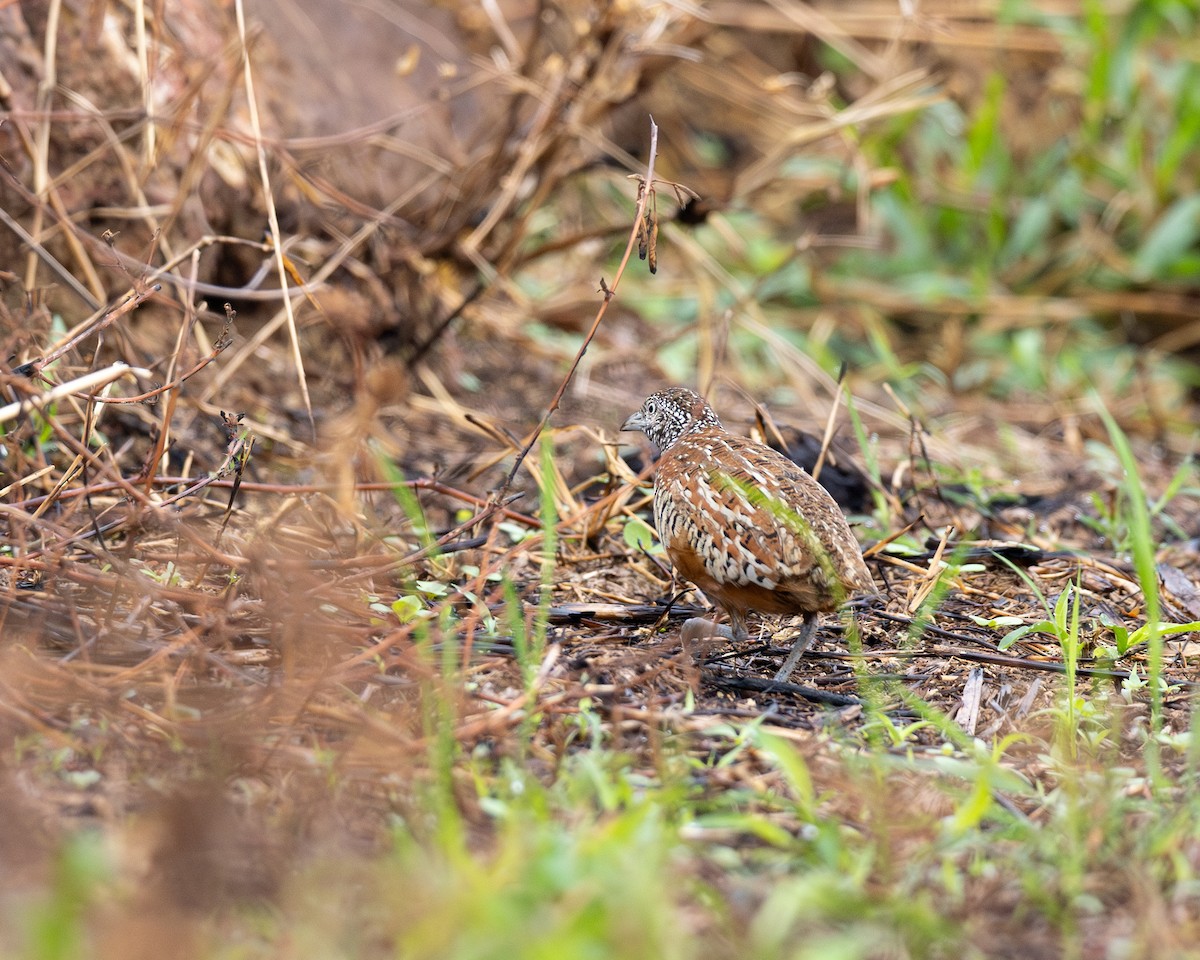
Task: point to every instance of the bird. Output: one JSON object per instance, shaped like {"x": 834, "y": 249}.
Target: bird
{"x": 754, "y": 531}
{"x": 841, "y": 477}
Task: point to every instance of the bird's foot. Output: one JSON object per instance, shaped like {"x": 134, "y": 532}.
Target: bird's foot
{"x": 698, "y": 637}
{"x": 697, "y": 628}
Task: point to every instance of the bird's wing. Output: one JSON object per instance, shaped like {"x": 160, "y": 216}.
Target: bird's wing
{"x": 783, "y": 516}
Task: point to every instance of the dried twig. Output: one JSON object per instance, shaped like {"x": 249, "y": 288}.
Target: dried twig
{"x": 80, "y": 385}
{"x": 645, "y": 189}
{"x": 827, "y": 437}
{"x": 35, "y": 367}
{"x": 272, "y": 214}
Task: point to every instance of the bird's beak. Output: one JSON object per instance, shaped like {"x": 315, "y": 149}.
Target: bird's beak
{"x": 634, "y": 421}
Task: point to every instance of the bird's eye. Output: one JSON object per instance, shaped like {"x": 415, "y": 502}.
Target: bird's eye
{"x": 651, "y": 408}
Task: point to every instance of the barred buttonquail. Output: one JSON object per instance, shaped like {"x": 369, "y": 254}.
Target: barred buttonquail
{"x": 745, "y": 524}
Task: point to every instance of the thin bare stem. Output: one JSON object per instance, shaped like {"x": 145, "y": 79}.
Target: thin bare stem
{"x": 827, "y": 438}
{"x": 272, "y": 214}
{"x": 645, "y": 188}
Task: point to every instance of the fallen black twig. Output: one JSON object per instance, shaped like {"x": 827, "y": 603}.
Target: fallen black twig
{"x": 727, "y": 679}
{"x": 1000, "y": 660}
{"x": 932, "y": 629}
{"x": 620, "y": 612}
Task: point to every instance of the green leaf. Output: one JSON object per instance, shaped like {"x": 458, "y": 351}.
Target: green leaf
{"x": 1121, "y": 636}
{"x": 1012, "y": 637}
{"x": 996, "y": 622}
{"x": 1174, "y": 235}
{"x": 514, "y": 531}
{"x": 1042, "y": 626}
{"x": 1030, "y": 229}
{"x": 794, "y": 768}
{"x": 1062, "y": 607}
{"x": 639, "y": 535}
{"x": 406, "y": 608}
{"x": 1142, "y": 633}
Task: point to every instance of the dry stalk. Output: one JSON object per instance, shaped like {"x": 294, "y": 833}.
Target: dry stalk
{"x": 645, "y": 189}
{"x": 88, "y": 330}
{"x": 84, "y": 386}
{"x": 272, "y": 213}
{"x": 830, "y": 422}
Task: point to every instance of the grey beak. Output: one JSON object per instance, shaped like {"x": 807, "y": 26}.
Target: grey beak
{"x": 634, "y": 421}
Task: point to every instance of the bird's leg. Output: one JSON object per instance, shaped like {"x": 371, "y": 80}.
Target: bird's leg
{"x": 698, "y": 636}
{"x": 737, "y": 625}
{"x": 801, "y": 643}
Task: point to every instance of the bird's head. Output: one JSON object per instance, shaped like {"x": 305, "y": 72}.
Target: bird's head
{"x": 669, "y": 414}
